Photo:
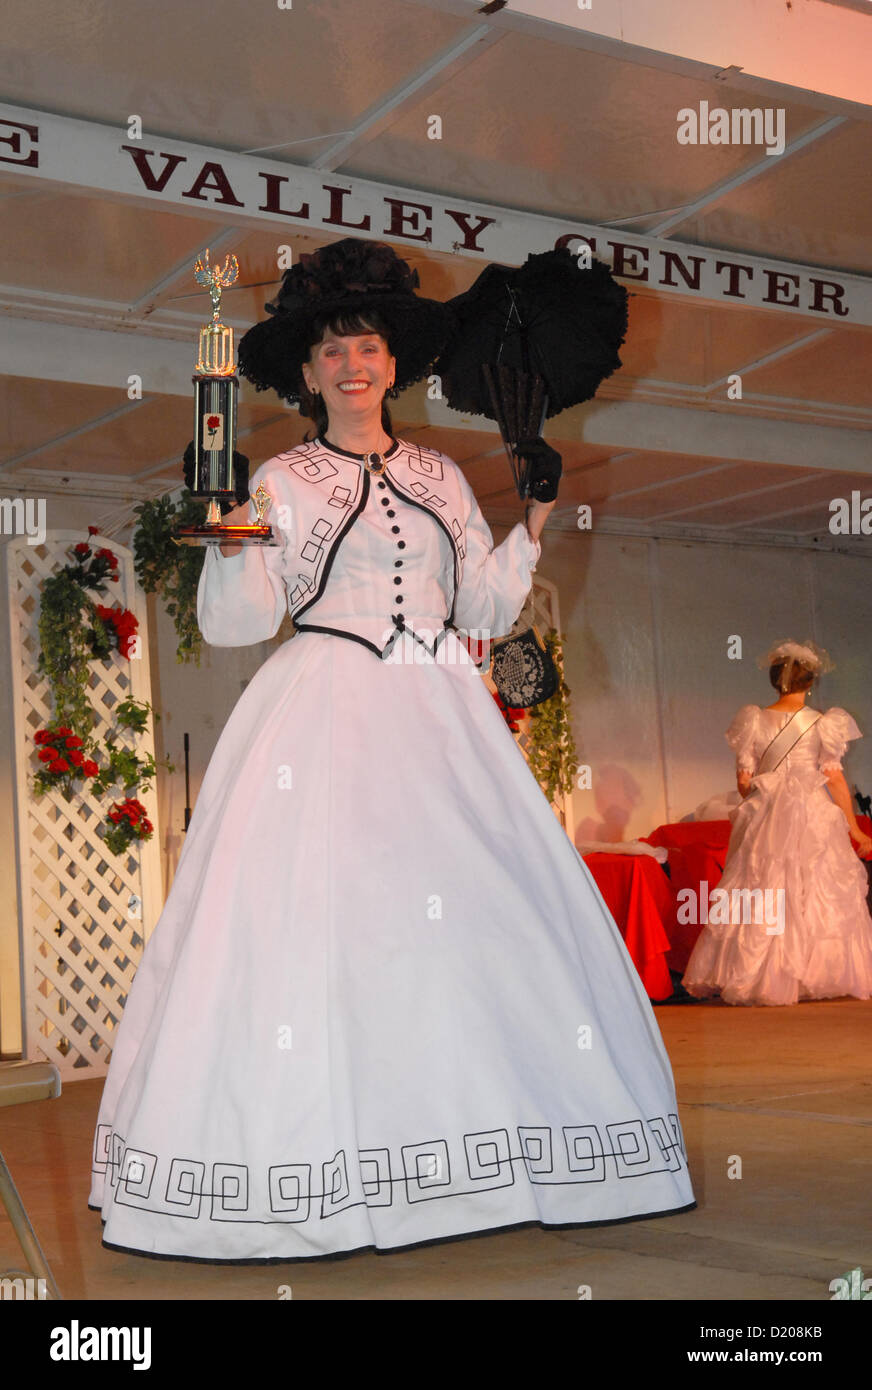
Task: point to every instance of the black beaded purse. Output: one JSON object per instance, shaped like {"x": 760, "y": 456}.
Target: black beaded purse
{"x": 523, "y": 670}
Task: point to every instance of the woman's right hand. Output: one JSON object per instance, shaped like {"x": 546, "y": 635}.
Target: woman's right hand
{"x": 862, "y": 843}
{"x": 238, "y": 516}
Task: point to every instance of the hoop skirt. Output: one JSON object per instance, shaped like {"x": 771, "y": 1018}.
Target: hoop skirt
{"x": 790, "y": 842}
{"x": 385, "y": 1003}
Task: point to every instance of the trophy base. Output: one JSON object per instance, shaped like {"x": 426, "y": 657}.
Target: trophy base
{"x": 216, "y": 534}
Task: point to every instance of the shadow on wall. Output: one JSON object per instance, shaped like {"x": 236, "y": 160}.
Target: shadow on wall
{"x": 592, "y": 660}
{"x": 616, "y": 793}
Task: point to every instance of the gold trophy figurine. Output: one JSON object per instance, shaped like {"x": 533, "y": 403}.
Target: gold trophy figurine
{"x": 215, "y": 389}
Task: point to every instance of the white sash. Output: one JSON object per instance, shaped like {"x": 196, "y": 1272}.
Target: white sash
{"x": 787, "y": 738}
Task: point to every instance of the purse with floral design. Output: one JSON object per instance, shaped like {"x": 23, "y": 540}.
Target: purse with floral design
{"x": 522, "y": 668}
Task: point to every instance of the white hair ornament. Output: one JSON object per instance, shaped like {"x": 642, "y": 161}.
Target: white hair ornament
{"x": 804, "y": 656}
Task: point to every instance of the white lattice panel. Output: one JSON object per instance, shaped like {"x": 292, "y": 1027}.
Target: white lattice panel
{"x": 85, "y": 914}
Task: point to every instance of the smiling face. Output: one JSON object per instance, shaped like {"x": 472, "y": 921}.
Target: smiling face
{"x": 351, "y": 373}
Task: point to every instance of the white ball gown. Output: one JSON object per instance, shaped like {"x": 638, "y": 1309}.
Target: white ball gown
{"x": 789, "y": 837}
{"x": 385, "y": 1003}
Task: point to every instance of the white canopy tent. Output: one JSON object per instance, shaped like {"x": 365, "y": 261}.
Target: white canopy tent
{"x": 131, "y": 140}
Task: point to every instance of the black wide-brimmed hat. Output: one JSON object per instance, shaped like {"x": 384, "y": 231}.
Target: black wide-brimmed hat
{"x": 346, "y": 276}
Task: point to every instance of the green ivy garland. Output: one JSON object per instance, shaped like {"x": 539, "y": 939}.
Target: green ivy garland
{"x": 551, "y": 749}
{"x": 172, "y": 570}
{"x": 70, "y": 628}
{"x": 73, "y": 632}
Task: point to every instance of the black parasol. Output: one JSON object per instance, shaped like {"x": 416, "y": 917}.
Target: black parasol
{"x": 531, "y": 341}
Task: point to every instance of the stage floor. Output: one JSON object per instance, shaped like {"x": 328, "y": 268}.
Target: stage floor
{"x": 785, "y": 1090}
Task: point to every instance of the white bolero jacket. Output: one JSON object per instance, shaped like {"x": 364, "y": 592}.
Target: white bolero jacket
{"x": 367, "y": 556}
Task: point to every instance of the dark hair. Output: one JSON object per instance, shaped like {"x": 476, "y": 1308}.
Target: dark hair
{"x": 802, "y": 678}
{"x": 345, "y": 323}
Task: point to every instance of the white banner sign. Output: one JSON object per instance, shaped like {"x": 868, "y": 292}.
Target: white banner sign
{"x": 255, "y": 191}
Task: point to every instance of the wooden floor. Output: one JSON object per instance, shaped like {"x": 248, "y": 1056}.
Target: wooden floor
{"x": 786, "y": 1091}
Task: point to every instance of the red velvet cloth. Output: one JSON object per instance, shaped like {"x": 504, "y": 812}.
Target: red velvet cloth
{"x": 640, "y": 898}
{"x": 697, "y": 850}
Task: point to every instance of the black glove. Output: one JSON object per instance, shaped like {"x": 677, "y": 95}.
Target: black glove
{"x": 240, "y": 478}
{"x": 546, "y": 466}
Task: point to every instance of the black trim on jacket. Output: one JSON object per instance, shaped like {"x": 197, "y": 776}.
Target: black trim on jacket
{"x": 337, "y": 541}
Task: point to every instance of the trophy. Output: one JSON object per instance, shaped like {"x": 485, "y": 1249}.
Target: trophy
{"x": 215, "y": 388}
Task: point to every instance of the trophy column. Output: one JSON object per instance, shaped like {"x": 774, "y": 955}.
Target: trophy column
{"x": 215, "y": 389}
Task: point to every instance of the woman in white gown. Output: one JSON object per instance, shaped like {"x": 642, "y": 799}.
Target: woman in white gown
{"x": 793, "y": 892}
{"x": 385, "y": 1003}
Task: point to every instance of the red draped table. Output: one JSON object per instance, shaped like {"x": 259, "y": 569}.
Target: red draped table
{"x": 697, "y": 850}
{"x": 641, "y": 899}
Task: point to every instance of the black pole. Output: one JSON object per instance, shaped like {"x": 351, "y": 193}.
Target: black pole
{"x": 187, "y": 782}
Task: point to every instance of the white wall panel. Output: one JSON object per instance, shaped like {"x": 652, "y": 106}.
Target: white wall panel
{"x": 623, "y": 608}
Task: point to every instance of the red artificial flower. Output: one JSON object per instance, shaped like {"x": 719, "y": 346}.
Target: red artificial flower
{"x": 104, "y": 554}
{"x": 73, "y": 741}
{"x": 76, "y": 758}
{"x": 93, "y": 530}
{"x": 147, "y": 825}
{"x": 82, "y": 548}
{"x": 59, "y": 765}
{"x": 213, "y": 422}
{"x": 90, "y": 768}
{"x": 46, "y": 756}
{"x": 125, "y": 623}
{"x": 115, "y": 817}
{"x": 63, "y": 730}
{"x": 40, "y": 736}
{"x": 510, "y": 713}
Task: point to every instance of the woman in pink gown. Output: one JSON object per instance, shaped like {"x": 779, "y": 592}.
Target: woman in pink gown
{"x": 793, "y": 892}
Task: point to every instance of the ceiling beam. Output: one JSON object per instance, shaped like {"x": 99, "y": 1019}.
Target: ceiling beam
{"x": 388, "y": 109}
{"x": 678, "y": 481}
{"x": 87, "y": 427}
{"x": 51, "y": 351}
{"x": 59, "y": 352}
{"x": 803, "y": 341}
{"x": 781, "y": 513}
{"x": 758, "y": 45}
{"x": 733, "y": 497}
{"x": 766, "y": 165}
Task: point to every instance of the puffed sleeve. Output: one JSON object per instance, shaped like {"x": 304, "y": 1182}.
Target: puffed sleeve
{"x": 496, "y": 579}
{"x": 743, "y": 738}
{"x": 241, "y": 599}
{"x": 836, "y": 728}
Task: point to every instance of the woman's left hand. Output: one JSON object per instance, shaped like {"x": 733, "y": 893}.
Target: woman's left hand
{"x": 862, "y": 843}
{"x": 546, "y": 468}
